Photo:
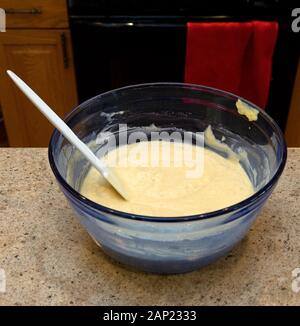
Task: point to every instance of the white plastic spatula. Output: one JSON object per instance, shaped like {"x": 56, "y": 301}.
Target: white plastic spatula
{"x": 106, "y": 171}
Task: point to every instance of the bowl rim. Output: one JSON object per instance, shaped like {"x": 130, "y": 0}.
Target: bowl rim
{"x": 203, "y": 216}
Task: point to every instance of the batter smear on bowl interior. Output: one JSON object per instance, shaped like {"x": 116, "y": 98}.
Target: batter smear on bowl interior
{"x": 162, "y": 190}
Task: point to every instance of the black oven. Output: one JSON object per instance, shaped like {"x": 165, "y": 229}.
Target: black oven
{"x": 123, "y": 42}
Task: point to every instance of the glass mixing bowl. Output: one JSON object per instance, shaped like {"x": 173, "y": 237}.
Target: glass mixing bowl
{"x": 169, "y": 244}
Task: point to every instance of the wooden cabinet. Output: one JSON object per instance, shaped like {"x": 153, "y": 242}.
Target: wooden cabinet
{"x": 35, "y": 13}
{"x": 292, "y": 133}
{"x": 43, "y": 58}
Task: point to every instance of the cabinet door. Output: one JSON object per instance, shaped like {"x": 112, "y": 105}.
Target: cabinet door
{"x": 35, "y": 13}
{"x": 292, "y": 133}
{"x": 43, "y": 59}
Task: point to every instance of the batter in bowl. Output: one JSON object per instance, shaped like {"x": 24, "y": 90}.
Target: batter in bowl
{"x": 162, "y": 190}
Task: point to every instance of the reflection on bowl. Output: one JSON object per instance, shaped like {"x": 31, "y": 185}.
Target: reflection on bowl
{"x": 169, "y": 244}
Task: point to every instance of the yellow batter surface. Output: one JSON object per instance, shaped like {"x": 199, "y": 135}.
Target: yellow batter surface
{"x": 167, "y": 191}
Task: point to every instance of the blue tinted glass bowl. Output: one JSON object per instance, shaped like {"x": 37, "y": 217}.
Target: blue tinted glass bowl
{"x": 169, "y": 244}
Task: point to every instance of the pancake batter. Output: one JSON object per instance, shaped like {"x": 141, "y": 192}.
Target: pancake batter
{"x": 166, "y": 191}
{"x": 247, "y": 110}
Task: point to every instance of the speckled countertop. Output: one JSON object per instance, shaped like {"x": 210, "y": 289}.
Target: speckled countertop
{"x": 49, "y": 259}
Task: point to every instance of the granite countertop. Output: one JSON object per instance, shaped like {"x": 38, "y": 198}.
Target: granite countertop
{"x": 49, "y": 259}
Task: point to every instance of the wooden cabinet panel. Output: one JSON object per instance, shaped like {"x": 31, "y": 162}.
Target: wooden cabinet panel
{"x": 292, "y": 133}
{"x": 35, "y": 13}
{"x": 39, "y": 58}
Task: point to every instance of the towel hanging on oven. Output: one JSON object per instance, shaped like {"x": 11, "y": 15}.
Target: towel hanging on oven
{"x": 235, "y": 57}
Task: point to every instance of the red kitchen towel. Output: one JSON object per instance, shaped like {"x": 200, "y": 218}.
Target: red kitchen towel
{"x": 235, "y": 57}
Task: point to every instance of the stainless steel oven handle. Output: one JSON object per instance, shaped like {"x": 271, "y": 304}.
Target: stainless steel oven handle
{"x": 133, "y": 23}
{"x": 129, "y": 24}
